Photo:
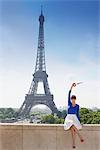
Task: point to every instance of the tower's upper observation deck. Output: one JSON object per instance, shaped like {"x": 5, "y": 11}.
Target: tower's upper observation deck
{"x": 41, "y": 17}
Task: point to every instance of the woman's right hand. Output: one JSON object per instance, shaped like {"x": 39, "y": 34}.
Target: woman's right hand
{"x": 73, "y": 85}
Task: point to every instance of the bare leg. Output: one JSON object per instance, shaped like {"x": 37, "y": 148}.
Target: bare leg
{"x": 79, "y": 135}
{"x": 73, "y": 136}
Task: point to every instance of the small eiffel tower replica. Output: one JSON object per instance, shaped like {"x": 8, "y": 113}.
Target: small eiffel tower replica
{"x": 40, "y": 75}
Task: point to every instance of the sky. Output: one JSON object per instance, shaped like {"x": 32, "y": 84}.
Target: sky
{"x": 71, "y": 48}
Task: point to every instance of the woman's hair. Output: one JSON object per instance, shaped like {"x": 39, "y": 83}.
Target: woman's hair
{"x": 73, "y": 97}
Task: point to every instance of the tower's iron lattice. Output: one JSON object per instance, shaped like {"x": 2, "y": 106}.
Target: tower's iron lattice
{"x": 40, "y": 75}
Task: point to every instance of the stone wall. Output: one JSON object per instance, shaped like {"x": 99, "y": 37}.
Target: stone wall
{"x": 46, "y": 137}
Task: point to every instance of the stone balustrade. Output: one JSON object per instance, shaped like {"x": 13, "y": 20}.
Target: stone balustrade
{"x": 22, "y": 136}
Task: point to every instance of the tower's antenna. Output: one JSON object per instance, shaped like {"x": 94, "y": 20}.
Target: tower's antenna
{"x": 41, "y": 9}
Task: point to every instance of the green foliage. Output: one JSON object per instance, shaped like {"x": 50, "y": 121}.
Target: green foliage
{"x": 52, "y": 119}
{"x": 48, "y": 119}
{"x": 59, "y": 121}
{"x": 88, "y": 116}
{"x": 6, "y": 113}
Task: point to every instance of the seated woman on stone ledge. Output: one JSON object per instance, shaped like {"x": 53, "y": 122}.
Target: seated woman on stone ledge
{"x": 72, "y": 120}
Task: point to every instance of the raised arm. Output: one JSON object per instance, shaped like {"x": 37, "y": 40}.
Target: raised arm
{"x": 69, "y": 94}
{"x": 69, "y": 101}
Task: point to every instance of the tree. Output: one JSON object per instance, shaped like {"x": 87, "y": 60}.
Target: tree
{"x": 48, "y": 119}
{"x": 88, "y": 116}
{"x": 7, "y": 113}
{"x": 52, "y": 119}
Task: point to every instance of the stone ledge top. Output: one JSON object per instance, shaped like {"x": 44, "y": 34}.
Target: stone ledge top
{"x": 29, "y": 126}
{"x": 53, "y": 125}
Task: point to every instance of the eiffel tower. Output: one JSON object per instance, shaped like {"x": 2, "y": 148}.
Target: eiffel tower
{"x": 40, "y": 75}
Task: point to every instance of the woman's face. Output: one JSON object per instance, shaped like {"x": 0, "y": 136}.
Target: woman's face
{"x": 73, "y": 101}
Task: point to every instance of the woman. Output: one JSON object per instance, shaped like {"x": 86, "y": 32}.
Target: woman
{"x": 72, "y": 120}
